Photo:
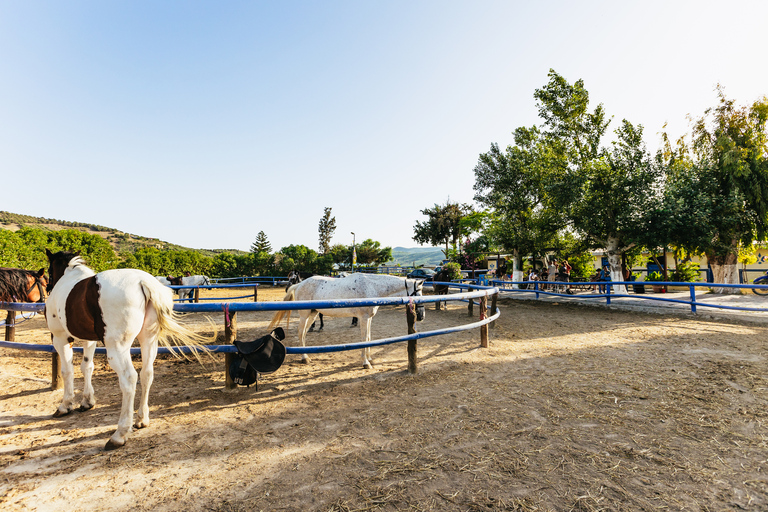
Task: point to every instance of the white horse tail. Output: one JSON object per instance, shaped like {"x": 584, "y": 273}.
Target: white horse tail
{"x": 171, "y": 332}
{"x": 289, "y": 295}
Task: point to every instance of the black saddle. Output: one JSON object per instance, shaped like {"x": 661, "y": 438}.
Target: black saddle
{"x": 263, "y": 355}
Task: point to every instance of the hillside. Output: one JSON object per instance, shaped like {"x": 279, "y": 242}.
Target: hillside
{"x": 128, "y": 242}
{"x": 416, "y": 256}
{"x": 120, "y": 241}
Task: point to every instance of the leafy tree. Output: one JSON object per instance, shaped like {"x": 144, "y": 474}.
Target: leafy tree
{"x": 301, "y": 258}
{"x": 603, "y": 193}
{"x": 340, "y": 254}
{"x": 512, "y": 184}
{"x": 730, "y": 151}
{"x": 443, "y": 225}
{"x": 326, "y": 229}
{"x": 261, "y": 244}
{"x": 370, "y": 252}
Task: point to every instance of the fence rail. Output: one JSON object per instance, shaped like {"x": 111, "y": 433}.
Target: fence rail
{"x": 230, "y": 310}
{"x": 541, "y": 288}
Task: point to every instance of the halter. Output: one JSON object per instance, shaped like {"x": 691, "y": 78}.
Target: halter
{"x": 415, "y": 289}
{"x": 39, "y": 289}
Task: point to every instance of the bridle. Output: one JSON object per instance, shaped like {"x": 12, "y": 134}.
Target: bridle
{"x": 39, "y": 289}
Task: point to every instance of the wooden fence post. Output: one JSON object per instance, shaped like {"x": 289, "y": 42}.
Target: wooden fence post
{"x": 197, "y": 295}
{"x": 230, "y": 335}
{"x": 256, "y": 293}
{"x": 56, "y": 381}
{"x": 410, "y": 316}
{"x": 494, "y": 297}
{"x": 470, "y": 307}
{"x": 483, "y": 316}
{"x": 10, "y": 326}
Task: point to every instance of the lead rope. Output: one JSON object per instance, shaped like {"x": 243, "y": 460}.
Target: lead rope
{"x": 225, "y": 307}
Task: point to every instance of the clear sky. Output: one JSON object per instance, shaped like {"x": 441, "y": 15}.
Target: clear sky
{"x": 204, "y": 122}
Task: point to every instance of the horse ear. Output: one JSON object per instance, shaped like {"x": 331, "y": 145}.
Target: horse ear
{"x": 48, "y": 253}
{"x": 41, "y": 272}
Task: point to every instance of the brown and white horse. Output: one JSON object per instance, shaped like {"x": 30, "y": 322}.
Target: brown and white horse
{"x": 114, "y": 307}
{"x": 19, "y": 285}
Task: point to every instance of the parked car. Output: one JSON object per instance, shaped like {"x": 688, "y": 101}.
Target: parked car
{"x": 421, "y": 273}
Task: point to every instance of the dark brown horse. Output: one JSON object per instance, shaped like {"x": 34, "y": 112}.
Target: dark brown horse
{"x": 441, "y": 289}
{"x": 19, "y": 285}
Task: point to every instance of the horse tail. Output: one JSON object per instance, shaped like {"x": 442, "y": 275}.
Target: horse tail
{"x": 290, "y": 295}
{"x": 171, "y": 333}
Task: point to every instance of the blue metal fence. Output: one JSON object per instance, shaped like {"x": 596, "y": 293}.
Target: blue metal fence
{"x": 538, "y": 290}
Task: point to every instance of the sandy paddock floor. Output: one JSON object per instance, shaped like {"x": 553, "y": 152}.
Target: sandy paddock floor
{"x": 570, "y": 408}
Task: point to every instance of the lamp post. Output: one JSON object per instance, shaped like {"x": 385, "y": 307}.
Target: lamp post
{"x": 354, "y": 254}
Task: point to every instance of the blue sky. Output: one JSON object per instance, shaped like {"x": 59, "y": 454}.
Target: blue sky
{"x": 202, "y": 123}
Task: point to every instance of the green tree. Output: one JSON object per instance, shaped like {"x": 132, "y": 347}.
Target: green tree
{"x": 511, "y": 183}
{"x": 326, "y": 229}
{"x": 443, "y": 225}
{"x": 261, "y": 244}
{"x": 370, "y": 252}
{"x": 604, "y": 193}
{"x": 730, "y": 153}
{"x": 301, "y": 258}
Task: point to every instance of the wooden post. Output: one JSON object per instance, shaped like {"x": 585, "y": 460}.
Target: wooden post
{"x": 483, "y": 316}
{"x": 197, "y": 295}
{"x": 230, "y": 335}
{"x": 410, "y": 316}
{"x": 10, "y": 326}
{"x": 471, "y": 307}
{"x": 493, "y": 307}
{"x": 256, "y": 293}
{"x": 56, "y": 381}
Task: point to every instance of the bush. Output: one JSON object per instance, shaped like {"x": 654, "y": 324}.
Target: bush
{"x": 686, "y": 272}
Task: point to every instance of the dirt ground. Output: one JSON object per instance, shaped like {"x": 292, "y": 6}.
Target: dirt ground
{"x": 570, "y": 408}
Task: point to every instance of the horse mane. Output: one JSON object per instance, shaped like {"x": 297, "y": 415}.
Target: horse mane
{"x": 13, "y": 284}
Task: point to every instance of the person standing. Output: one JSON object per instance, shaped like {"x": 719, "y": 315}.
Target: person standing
{"x": 552, "y": 273}
{"x": 565, "y": 275}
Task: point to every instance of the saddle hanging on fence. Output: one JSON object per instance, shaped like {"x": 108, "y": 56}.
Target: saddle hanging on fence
{"x": 263, "y": 355}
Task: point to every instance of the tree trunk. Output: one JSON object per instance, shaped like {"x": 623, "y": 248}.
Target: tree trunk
{"x": 725, "y": 270}
{"x": 614, "y": 261}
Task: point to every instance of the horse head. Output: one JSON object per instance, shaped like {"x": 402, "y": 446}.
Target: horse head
{"x": 57, "y": 265}
{"x": 175, "y": 281}
{"x": 37, "y": 283}
{"x": 418, "y": 286}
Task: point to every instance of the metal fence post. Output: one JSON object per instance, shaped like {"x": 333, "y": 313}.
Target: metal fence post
{"x": 693, "y": 298}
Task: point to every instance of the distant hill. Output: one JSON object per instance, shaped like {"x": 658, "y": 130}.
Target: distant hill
{"x": 120, "y": 241}
{"x": 416, "y": 256}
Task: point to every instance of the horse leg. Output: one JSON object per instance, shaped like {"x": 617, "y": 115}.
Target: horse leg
{"x": 86, "y": 366}
{"x": 312, "y": 327}
{"x": 365, "y": 331}
{"x": 64, "y": 349}
{"x": 304, "y": 321}
{"x": 119, "y": 357}
{"x": 148, "y": 342}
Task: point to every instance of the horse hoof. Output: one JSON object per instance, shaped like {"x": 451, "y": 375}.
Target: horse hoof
{"x": 368, "y": 366}
{"x": 141, "y": 424}
{"x": 113, "y": 445}
{"x": 59, "y": 414}
{"x": 85, "y": 407}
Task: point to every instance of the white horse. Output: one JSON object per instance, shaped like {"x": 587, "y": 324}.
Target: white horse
{"x": 114, "y": 307}
{"x": 354, "y": 286}
{"x": 188, "y": 293}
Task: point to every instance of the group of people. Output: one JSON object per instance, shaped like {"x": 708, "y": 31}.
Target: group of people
{"x": 555, "y": 273}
